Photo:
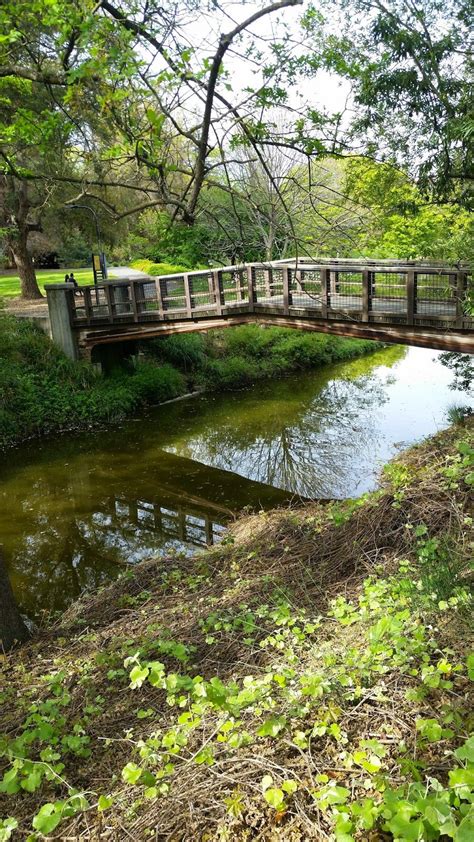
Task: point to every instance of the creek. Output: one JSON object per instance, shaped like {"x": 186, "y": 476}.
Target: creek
{"x": 76, "y": 509}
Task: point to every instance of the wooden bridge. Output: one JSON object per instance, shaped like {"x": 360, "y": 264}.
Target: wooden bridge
{"x": 425, "y": 304}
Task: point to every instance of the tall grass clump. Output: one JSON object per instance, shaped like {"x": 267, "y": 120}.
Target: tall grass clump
{"x": 242, "y": 355}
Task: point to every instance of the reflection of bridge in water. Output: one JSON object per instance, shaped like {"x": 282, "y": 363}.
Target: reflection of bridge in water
{"x": 414, "y": 303}
{"x": 75, "y": 528}
{"x": 195, "y": 506}
{"x": 188, "y": 525}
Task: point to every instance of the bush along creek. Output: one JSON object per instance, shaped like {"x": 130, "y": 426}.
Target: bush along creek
{"x": 309, "y": 678}
{"x": 42, "y": 392}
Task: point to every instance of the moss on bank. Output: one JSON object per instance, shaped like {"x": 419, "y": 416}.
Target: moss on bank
{"x": 308, "y": 679}
{"x": 43, "y": 392}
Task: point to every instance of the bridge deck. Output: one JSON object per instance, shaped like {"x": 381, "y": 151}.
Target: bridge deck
{"x": 410, "y": 299}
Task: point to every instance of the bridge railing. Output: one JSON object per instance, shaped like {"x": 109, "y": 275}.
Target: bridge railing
{"x": 369, "y": 291}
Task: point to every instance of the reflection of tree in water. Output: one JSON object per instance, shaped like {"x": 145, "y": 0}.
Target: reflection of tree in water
{"x": 313, "y": 454}
{"x": 71, "y": 513}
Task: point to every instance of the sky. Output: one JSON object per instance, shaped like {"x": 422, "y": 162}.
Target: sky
{"x": 201, "y": 30}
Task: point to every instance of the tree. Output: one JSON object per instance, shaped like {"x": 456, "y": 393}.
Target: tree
{"x": 410, "y": 69}
{"x": 398, "y": 222}
{"x": 125, "y": 122}
{"x": 462, "y": 366}
{"x": 12, "y": 628}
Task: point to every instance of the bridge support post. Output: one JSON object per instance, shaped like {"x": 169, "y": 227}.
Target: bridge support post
{"x": 60, "y": 299}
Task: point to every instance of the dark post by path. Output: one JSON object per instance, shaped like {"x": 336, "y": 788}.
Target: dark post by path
{"x": 12, "y": 628}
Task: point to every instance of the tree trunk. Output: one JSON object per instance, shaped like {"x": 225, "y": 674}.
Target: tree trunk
{"x": 12, "y": 628}
{"x": 24, "y": 264}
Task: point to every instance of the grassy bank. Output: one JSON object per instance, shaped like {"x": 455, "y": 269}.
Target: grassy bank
{"x": 10, "y": 284}
{"x": 309, "y": 679}
{"x": 42, "y": 392}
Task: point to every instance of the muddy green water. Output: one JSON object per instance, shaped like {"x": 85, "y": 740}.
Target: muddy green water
{"x": 75, "y": 510}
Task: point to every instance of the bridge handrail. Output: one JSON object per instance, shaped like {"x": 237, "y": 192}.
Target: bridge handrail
{"x": 396, "y": 292}
{"x": 336, "y": 265}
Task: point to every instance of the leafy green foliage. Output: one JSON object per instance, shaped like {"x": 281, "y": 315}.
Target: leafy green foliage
{"x": 41, "y": 391}
{"x": 243, "y": 355}
{"x": 400, "y": 223}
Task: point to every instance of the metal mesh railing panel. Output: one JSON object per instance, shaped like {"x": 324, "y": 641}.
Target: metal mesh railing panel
{"x": 173, "y": 294}
{"x": 146, "y": 298}
{"x": 436, "y": 294}
{"x": 121, "y": 302}
{"x": 235, "y": 286}
{"x": 306, "y": 288}
{"x": 263, "y": 280}
{"x": 345, "y": 291}
{"x": 79, "y": 306}
{"x": 99, "y": 304}
{"x": 389, "y": 291}
{"x": 201, "y": 290}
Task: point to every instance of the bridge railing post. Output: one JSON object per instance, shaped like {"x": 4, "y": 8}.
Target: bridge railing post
{"x": 366, "y": 294}
{"x": 411, "y": 296}
{"x": 133, "y": 299}
{"x": 159, "y": 298}
{"x": 239, "y": 280}
{"x": 251, "y": 286}
{"x": 218, "y": 290}
{"x": 325, "y": 292}
{"x": 87, "y": 303}
{"x": 287, "y": 297}
{"x": 109, "y": 297}
{"x": 460, "y": 297}
{"x": 187, "y": 296}
{"x": 268, "y": 276}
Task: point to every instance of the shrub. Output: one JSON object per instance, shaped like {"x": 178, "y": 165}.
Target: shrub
{"x": 152, "y": 384}
{"x": 158, "y": 269}
{"x": 187, "y": 351}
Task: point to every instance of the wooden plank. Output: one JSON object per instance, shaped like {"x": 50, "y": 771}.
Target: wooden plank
{"x": 411, "y": 296}
{"x": 187, "y": 296}
{"x": 133, "y": 299}
{"x": 366, "y": 296}
{"x": 252, "y": 290}
{"x": 325, "y": 291}
{"x": 287, "y": 300}
{"x": 109, "y": 297}
{"x": 460, "y": 297}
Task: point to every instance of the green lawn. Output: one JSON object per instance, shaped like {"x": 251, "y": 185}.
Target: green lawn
{"x": 10, "y": 284}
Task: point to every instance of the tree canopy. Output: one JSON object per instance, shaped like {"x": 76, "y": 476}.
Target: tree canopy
{"x": 214, "y": 118}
